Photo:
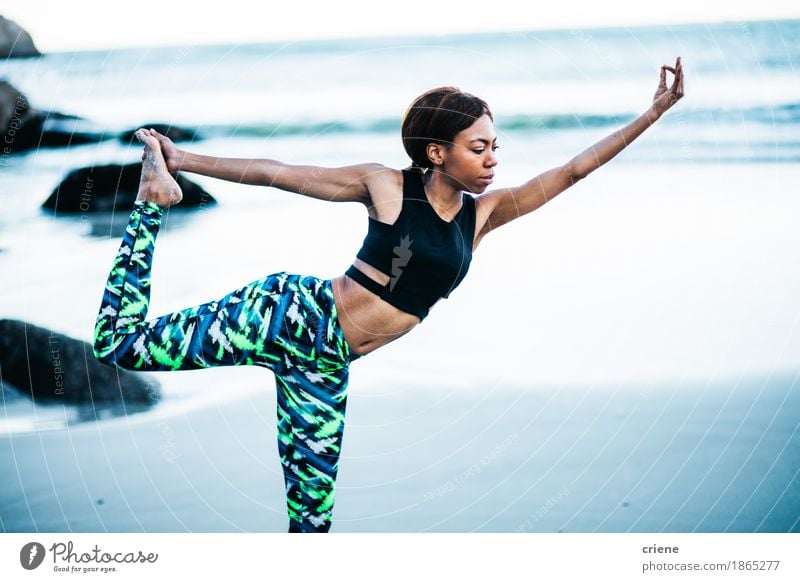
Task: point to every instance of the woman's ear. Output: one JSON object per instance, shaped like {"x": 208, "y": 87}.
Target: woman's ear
{"x": 435, "y": 153}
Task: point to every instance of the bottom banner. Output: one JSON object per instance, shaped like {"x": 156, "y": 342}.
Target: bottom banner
{"x": 354, "y": 557}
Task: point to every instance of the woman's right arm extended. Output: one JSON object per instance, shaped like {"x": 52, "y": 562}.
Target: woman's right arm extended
{"x": 346, "y": 184}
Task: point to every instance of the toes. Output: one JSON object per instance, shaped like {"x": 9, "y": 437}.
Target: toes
{"x": 146, "y": 140}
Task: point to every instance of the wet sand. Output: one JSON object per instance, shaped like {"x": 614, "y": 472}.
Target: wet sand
{"x": 718, "y": 456}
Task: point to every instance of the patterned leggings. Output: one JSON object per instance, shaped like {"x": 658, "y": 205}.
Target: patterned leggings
{"x": 285, "y": 322}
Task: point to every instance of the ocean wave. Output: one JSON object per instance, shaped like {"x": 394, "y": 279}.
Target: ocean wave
{"x": 787, "y": 113}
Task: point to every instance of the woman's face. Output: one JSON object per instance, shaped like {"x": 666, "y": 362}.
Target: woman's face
{"x": 469, "y": 162}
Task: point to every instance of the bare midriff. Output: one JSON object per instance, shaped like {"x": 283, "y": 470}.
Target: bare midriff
{"x": 368, "y": 322}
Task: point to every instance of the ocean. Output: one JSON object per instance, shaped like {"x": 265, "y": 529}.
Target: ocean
{"x": 677, "y": 261}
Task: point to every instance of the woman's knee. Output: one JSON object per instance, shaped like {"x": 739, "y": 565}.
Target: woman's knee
{"x": 114, "y": 357}
{"x": 102, "y": 351}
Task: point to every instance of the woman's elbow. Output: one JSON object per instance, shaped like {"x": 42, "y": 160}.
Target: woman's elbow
{"x": 575, "y": 171}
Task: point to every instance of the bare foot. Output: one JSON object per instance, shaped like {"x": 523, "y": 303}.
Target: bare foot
{"x": 156, "y": 183}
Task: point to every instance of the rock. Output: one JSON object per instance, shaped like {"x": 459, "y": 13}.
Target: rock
{"x": 171, "y": 131}
{"x": 15, "y": 41}
{"x": 23, "y": 127}
{"x": 16, "y": 115}
{"x": 113, "y": 187}
{"x": 52, "y": 367}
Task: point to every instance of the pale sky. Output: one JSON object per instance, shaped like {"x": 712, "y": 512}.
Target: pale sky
{"x": 58, "y": 25}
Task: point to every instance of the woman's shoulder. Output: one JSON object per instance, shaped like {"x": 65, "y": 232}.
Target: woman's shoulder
{"x": 383, "y": 183}
{"x": 385, "y": 189}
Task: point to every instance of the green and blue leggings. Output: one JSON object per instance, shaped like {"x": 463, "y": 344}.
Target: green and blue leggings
{"x": 285, "y": 322}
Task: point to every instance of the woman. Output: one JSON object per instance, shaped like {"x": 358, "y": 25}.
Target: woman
{"x": 423, "y": 229}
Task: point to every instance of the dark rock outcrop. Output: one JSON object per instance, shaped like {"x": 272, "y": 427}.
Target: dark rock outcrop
{"x": 23, "y": 127}
{"x": 15, "y": 41}
{"x": 112, "y": 187}
{"x": 52, "y": 367}
{"x": 16, "y": 116}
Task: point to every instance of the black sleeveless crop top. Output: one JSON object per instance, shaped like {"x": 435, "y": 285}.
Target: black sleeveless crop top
{"x": 425, "y": 256}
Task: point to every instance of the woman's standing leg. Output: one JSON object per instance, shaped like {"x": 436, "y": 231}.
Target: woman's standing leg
{"x": 311, "y": 413}
{"x": 312, "y": 400}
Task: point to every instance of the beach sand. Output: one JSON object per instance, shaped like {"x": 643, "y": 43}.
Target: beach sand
{"x": 720, "y": 456}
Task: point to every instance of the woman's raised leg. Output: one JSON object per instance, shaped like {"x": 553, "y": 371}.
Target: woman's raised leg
{"x": 230, "y": 331}
{"x": 233, "y": 330}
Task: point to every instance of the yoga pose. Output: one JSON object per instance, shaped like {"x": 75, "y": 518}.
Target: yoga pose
{"x": 425, "y": 222}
